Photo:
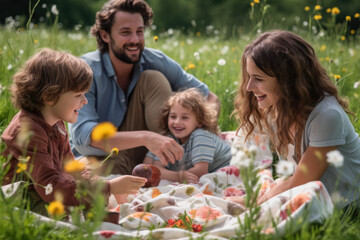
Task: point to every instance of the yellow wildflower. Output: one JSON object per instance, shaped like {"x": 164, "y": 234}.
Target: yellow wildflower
{"x": 356, "y": 95}
{"x": 348, "y": 18}
{"x": 36, "y": 41}
{"x": 323, "y": 48}
{"x": 252, "y": 4}
{"x": 21, "y": 167}
{"x": 90, "y": 215}
{"x": 74, "y": 166}
{"x": 317, "y": 7}
{"x": 102, "y": 131}
{"x": 56, "y": 208}
{"x": 335, "y": 11}
{"x": 198, "y": 34}
{"x": 343, "y": 38}
{"x": 352, "y": 31}
{"x": 256, "y": 1}
{"x": 344, "y": 69}
{"x": 337, "y": 77}
{"x": 327, "y": 59}
{"x": 191, "y": 66}
{"x": 307, "y": 8}
{"x": 357, "y": 15}
{"x": 114, "y": 151}
{"x": 328, "y": 10}
{"x": 317, "y": 17}
{"x": 156, "y": 38}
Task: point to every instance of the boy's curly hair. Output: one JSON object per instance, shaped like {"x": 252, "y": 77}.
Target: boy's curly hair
{"x": 46, "y": 76}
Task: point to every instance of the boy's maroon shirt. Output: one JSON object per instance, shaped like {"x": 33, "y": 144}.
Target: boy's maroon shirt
{"x": 48, "y": 148}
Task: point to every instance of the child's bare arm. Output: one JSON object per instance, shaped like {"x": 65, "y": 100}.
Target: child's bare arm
{"x": 200, "y": 169}
{"x": 126, "y": 184}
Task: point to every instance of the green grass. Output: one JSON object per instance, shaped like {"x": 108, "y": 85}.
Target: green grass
{"x": 199, "y": 55}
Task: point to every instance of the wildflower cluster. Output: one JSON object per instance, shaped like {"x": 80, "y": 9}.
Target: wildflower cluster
{"x": 332, "y": 26}
{"x": 241, "y": 155}
{"x": 185, "y": 222}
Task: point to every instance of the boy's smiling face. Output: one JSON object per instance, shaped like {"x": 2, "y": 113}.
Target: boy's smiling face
{"x": 65, "y": 109}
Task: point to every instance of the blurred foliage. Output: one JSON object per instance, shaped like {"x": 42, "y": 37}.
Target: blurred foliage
{"x": 232, "y": 17}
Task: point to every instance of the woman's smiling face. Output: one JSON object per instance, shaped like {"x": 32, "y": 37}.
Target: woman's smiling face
{"x": 263, "y": 86}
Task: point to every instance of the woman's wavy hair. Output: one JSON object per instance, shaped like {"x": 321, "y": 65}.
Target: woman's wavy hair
{"x": 105, "y": 17}
{"x": 301, "y": 81}
{"x": 46, "y": 76}
{"x": 192, "y": 100}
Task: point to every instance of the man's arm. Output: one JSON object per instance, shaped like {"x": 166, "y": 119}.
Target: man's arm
{"x": 165, "y": 148}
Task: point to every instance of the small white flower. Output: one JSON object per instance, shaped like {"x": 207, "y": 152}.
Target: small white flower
{"x": 224, "y": 50}
{"x": 48, "y": 189}
{"x": 335, "y": 158}
{"x": 54, "y": 10}
{"x": 285, "y": 168}
{"x": 221, "y": 62}
{"x": 170, "y": 31}
{"x": 9, "y": 67}
{"x": 357, "y": 84}
{"x": 253, "y": 149}
{"x": 233, "y": 150}
{"x": 197, "y": 55}
{"x": 43, "y": 5}
{"x": 21, "y": 51}
{"x": 189, "y": 41}
{"x": 336, "y": 197}
{"x": 240, "y": 160}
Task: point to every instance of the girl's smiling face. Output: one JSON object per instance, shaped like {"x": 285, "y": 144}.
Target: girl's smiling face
{"x": 182, "y": 122}
{"x": 263, "y": 86}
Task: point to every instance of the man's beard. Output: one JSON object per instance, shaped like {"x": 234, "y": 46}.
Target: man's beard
{"x": 121, "y": 55}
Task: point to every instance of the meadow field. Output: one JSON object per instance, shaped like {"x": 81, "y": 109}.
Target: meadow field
{"x": 212, "y": 58}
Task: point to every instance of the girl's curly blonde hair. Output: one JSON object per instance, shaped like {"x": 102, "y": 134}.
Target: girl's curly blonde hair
{"x": 192, "y": 100}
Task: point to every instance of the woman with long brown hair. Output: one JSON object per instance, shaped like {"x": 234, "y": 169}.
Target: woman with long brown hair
{"x": 286, "y": 94}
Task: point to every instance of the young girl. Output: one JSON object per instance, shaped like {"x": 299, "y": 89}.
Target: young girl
{"x": 192, "y": 122}
{"x": 286, "y": 94}
{"x": 49, "y": 90}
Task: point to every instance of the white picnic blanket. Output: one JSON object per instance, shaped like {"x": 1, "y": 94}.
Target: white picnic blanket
{"x": 204, "y": 204}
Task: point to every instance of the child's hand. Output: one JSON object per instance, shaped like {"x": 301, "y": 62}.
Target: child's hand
{"x": 126, "y": 184}
{"x": 188, "y": 177}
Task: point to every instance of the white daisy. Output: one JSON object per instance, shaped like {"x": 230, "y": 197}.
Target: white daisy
{"x": 54, "y": 10}
{"x": 335, "y": 158}
{"x": 48, "y": 189}
{"x": 285, "y": 168}
{"x": 221, "y": 62}
{"x": 240, "y": 160}
{"x": 357, "y": 84}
